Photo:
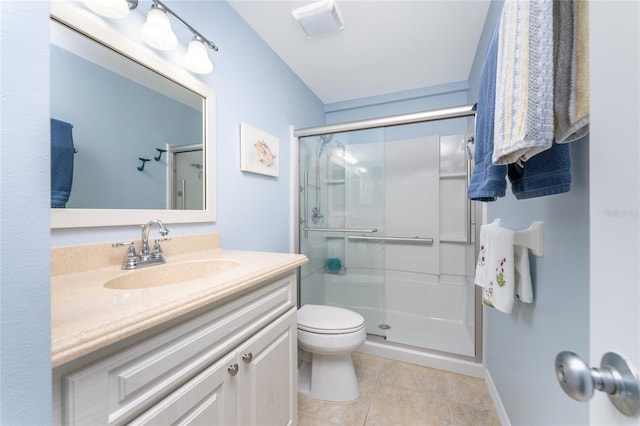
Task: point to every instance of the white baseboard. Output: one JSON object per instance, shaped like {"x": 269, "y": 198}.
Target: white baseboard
{"x": 495, "y": 397}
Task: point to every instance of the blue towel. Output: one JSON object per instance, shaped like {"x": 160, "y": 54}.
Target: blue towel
{"x": 546, "y": 173}
{"x": 61, "y": 163}
{"x": 488, "y": 180}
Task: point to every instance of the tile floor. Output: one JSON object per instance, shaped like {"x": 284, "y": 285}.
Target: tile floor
{"x": 398, "y": 393}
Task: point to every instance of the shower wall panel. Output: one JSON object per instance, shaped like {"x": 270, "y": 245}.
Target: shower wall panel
{"x": 411, "y": 204}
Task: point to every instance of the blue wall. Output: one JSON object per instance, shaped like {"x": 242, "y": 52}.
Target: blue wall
{"x": 425, "y": 99}
{"x": 25, "y": 345}
{"x": 520, "y": 348}
{"x": 252, "y": 85}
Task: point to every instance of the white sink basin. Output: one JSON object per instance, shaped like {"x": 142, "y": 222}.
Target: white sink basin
{"x": 169, "y": 274}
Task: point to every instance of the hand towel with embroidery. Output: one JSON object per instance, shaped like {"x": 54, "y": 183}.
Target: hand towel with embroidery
{"x": 524, "y": 85}
{"x": 495, "y": 271}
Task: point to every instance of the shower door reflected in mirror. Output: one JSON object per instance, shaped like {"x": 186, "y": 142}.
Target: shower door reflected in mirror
{"x": 187, "y": 175}
{"x": 399, "y": 253}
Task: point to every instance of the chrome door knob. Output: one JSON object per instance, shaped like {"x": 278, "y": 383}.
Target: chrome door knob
{"x": 616, "y": 377}
{"x": 575, "y": 376}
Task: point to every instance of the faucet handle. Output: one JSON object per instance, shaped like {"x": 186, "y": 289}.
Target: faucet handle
{"x": 157, "y": 250}
{"x": 131, "y": 252}
{"x": 131, "y": 259}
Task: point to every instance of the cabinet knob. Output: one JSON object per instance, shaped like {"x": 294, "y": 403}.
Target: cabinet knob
{"x": 233, "y": 369}
{"x": 247, "y": 357}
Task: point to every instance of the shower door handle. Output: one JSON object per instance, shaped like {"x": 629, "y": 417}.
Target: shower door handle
{"x": 306, "y": 207}
{"x": 469, "y": 205}
{"x": 184, "y": 194}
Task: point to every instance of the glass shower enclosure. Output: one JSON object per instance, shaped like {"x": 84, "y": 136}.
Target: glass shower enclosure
{"x": 387, "y": 227}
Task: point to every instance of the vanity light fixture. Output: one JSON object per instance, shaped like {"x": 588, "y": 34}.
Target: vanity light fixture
{"x": 157, "y": 31}
{"x": 114, "y": 9}
{"x": 320, "y": 17}
{"x": 196, "y": 58}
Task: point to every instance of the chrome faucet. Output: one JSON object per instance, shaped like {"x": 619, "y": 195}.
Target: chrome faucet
{"x": 147, "y": 256}
{"x": 144, "y": 250}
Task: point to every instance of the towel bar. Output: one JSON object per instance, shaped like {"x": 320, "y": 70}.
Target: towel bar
{"x": 531, "y": 238}
{"x": 363, "y": 230}
{"x": 394, "y": 239}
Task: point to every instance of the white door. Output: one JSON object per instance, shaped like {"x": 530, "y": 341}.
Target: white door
{"x": 614, "y": 192}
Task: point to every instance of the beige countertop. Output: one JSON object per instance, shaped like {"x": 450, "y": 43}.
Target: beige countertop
{"x": 86, "y": 316}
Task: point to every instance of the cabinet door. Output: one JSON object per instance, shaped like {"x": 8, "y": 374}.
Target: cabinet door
{"x": 267, "y": 377}
{"x": 210, "y": 398}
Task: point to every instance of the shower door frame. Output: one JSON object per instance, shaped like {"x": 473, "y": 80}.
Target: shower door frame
{"x": 388, "y": 121}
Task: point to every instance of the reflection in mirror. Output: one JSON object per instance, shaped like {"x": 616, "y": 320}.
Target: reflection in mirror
{"x": 128, "y": 105}
{"x": 120, "y": 112}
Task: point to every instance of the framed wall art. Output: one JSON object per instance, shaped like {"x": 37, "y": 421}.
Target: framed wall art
{"x": 258, "y": 151}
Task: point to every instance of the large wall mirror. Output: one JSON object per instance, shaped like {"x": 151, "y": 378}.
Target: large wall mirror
{"x": 124, "y": 103}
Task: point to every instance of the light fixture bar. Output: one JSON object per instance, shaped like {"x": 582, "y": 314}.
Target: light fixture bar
{"x": 183, "y": 22}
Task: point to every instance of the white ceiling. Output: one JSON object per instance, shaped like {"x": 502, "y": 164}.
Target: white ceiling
{"x": 385, "y": 47}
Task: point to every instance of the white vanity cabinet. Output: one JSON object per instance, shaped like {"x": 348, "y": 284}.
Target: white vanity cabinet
{"x": 233, "y": 362}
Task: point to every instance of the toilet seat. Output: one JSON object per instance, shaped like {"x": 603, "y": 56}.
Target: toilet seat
{"x": 322, "y": 319}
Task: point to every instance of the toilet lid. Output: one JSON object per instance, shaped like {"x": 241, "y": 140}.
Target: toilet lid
{"x": 328, "y": 319}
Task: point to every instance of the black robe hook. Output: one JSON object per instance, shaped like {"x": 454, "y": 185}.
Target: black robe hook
{"x": 160, "y": 152}
{"x": 144, "y": 160}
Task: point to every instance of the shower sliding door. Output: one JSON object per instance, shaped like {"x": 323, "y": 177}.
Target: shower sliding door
{"x": 341, "y": 176}
{"x": 386, "y": 225}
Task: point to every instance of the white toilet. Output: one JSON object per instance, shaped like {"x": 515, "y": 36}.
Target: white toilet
{"x": 326, "y": 337}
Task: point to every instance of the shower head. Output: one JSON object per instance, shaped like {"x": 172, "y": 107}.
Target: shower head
{"x": 325, "y": 139}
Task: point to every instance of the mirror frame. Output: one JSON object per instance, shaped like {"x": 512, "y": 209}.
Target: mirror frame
{"x": 73, "y": 15}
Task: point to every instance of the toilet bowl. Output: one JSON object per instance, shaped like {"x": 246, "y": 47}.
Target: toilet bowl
{"x": 326, "y": 337}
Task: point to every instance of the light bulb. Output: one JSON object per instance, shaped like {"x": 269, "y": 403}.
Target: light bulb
{"x": 197, "y": 59}
{"x": 114, "y": 9}
{"x": 156, "y": 32}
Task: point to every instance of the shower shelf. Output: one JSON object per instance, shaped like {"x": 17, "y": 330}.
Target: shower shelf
{"x": 341, "y": 271}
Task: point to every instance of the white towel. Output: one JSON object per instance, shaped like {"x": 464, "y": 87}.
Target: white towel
{"x": 495, "y": 269}
{"x": 524, "y": 81}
